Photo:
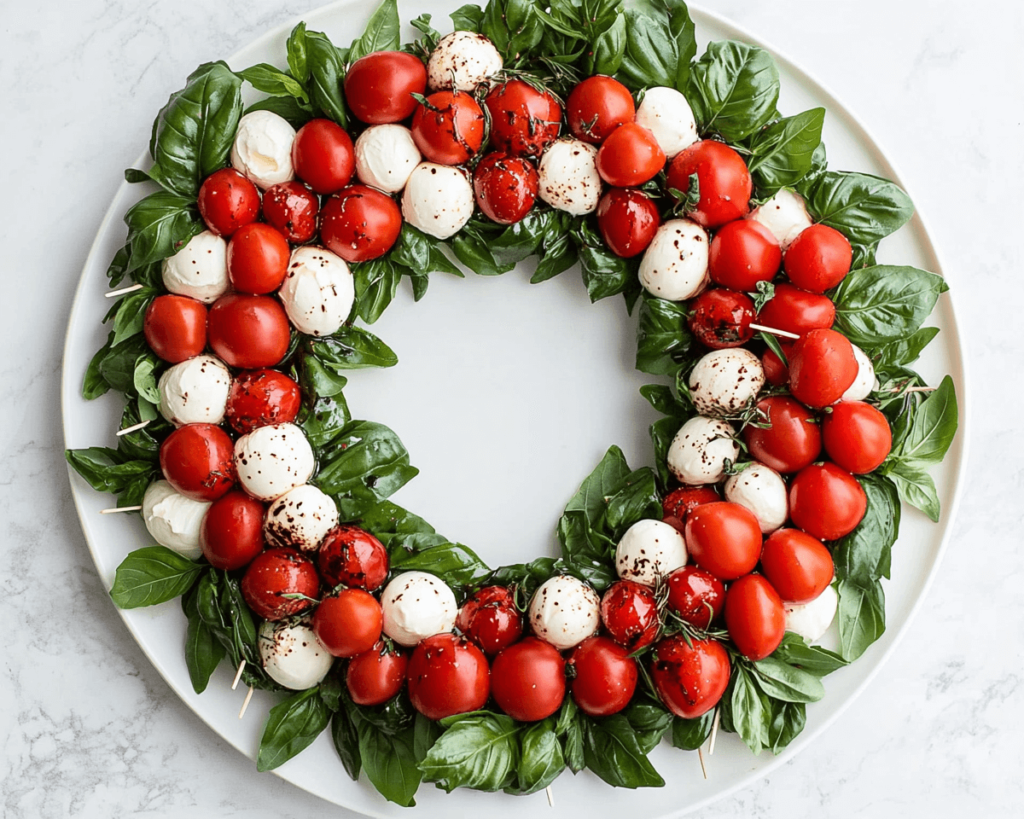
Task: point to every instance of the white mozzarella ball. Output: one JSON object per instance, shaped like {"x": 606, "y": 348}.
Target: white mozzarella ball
{"x": 785, "y": 215}
{"x": 649, "y": 550}
{"x": 385, "y": 157}
{"x": 174, "y": 520}
{"x": 273, "y": 460}
{"x": 675, "y": 265}
{"x": 318, "y": 291}
{"x": 760, "y": 489}
{"x": 565, "y": 611}
{"x": 666, "y": 114}
{"x": 811, "y": 620}
{"x": 200, "y": 269}
{"x": 438, "y": 199}
{"x": 262, "y": 150}
{"x": 698, "y": 453}
{"x": 725, "y": 381}
{"x": 195, "y": 391}
{"x": 291, "y": 654}
{"x": 567, "y": 177}
{"x": 417, "y": 605}
{"x": 300, "y": 519}
{"x": 865, "y": 382}
{"x": 462, "y": 58}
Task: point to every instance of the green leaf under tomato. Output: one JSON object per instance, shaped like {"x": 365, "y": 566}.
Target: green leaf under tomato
{"x": 152, "y": 575}
{"x": 292, "y": 726}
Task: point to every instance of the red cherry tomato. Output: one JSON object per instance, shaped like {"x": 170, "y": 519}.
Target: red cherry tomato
{"x": 797, "y": 311}
{"x": 605, "y": 677}
{"x": 351, "y": 556}
{"x": 818, "y": 259}
{"x": 348, "y": 622}
{"x": 629, "y": 156}
{"x": 198, "y": 460}
{"x": 724, "y": 180}
{"x": 776, "y": 371}
{"x": 505, "y": 187}
{"x": 490, "y": 619}
{"x": 723, "y": 538}
{"x": 291, "y": 208}
{"x": 742, "y": 254}
{"x": 721, "y": 318}
{"x": 374, "y": 677}
{"x": 360, "y": 223}
{"x": 629, "y": 612}
{"x": 696, "y": 596}
{"x": 826, "y": 501}
{"x": 323, "y": 156}
{"x": 678, "y": 503}
{"x": 231, "y": 534}
{"x": 249, "y": 332}
{"x": 792, "y": 439}
{"x": 379, "y": 87}
{"x": 274, "y": 579}
{"x": 447, "y": 676}
{"x": 856, "y": 436}
{"x": 227, "y": 200}
{"x": 822, "y": 367}
{"x": 262, "y": 398}
{"x": 523, "y": 120}
{"x": 596, "y": 107}
{"x": 798, "y": 566}
{"x": 628, "y": 220}
{"x": 528, "y": 680}
{"x": 258, "y": 257}
{"x": 754, "y": 617}
{"x": 175, "y": 327}
{"x": 449, "y": 129}
{"x": 690, "y": 677}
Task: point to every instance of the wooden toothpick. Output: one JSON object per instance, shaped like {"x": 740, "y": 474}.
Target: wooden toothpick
{"x": 714, "y": 731}
{"x": 238, "y": 674}
{"x": 774, "y": 331}
{"x": 120, "y": 509}
{"x": 114, "y": 293}
{"x": 703, "y": 767}
{"x": 245, "y": 704}
{"x": 551, "y": 796}
{"x": 132, "y": 428}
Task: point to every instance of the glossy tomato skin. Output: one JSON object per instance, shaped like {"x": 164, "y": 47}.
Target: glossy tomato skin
{"x": 227, "y": 200}
{"x": 690, "y": 678}
{"x": 791, "y": 441}
{"x": 262, "y": 398}
{"x": 696, "y": 596}
{"x": 447, "y": 676}
{"x": 826, "y": 501}
{"x": 449, "y": 130}
{"x": 272, "y": 579}
{"x": 360, "y": 223}
{"x": 724, "y": 180}
{"x": 724, "y": 538}
{"x": 754, "y": 617}
{"x": 605, "y": 676}
{"x": 524, "y": 120}
{"x": 348, "y": 622}
{"x": 352, "y": 556}
{"x": 629, "y": 156}
{"x": 291, "y": 208}
{"x": 798, "y": 566}
{"x": 377, "y": 675}
{"x": 198, "y": 460}
{"x": 628, "y": 220}
{"x": 379, "y": 87}
{"x": 776, "y": 371}
{"x": 797, "y": 311}
{"x": 258, "y": 257}
{"x": 231, "y": 534}
{"x": 248, "y": 332}
{"x": 721, "y": 318}
{"x": 323, "y": 156}
{"x": 490, "y": 619}
{"x": 505, "y": 187}
{"x": 175, "y": 327}
{"x": 818, "y": 259}
{"x": 629, "y": 611}
{"x": 528, "y": 680}
{"x": 596, "y": 107}
{"x": 856, "y": 436}
{"x": 742, "y": 254}
{"x": 822, "y": 367}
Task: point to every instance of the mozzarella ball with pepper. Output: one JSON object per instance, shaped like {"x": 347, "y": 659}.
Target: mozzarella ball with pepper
{"x": 199, "y": 270}
{"x": 760, "y": 489}
{"x": 262, "y": 150}
{"x": 564, "y": 611}
{"x": 698, "y": 452}
{"x": 725, "y": 381}
{"x": 785, "y": 215}
{"x": 300, "y": 519}
{"x": 173, "y": 520}
{"x": 811, "y": 620}
{"x": 291, "y": 654}
{"x": 666, "y": 114}
{"x": 318, "y": 291}
{"x": 675, "y": 265}
{"x": 649, "y": 550}
{"x": 386, "y": 156}
{"x": 195, "y": 391}
{"x": 865, "y": 382}
{"x": 417, "y": 605}
{"x": 273, "y": 460}
{"x": 462, "y": 60}
{"x": 567, "y": 177}
{"x": 438, "y": 199}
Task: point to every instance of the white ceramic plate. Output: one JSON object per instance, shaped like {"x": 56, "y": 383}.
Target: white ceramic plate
{"x": 507, "y": 395}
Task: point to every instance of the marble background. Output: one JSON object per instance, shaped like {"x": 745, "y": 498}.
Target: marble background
{"x": 88, "y": 728}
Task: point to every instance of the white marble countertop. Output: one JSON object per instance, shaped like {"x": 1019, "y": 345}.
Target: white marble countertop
{"x": 88, "y": 728}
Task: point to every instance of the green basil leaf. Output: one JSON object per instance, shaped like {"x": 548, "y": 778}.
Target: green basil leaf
{"x": 901, "y": 352}
{"x": 131, "y": 314}
{"x": 317, "y": 377}
{"x": 650, "y": 720}
{"x": 144, "y": 378}
{"x": 94, "y": 384}
{"x": 612, "y": 751}
{"x": 390, "y": 762}
{"x": 388, "y": 521}
{"x": 382, "y": 32}
{"x": 421, "y": 253}
{"x": 376, "y": 284}
{"x": 784, "y": 151}
{"x": 864, "y": 208}
{"x": 331, "y": 689}
{"x": 650, "y": 55}
{"x": 289, "y": 108}
{"x": 661, "y": 397}
{"x": 864, "y": 555}
{"x": 159, "y": 226}
{"x": 203, "y": 652}
{"x": 291, "y": 727}
{"x": 346, "y": 741}
{"x": 635, "y": 498}
{"x": 734, "y": 89}
{"x": 326, "y": 71}
{"x": 916, "y": 487}
{"x": 662, "y": 432}
{"x": 152, "y": 575}
{"x": 690, "y": 734}
{"x": 298, "y": 60}
{"x": 608, "y": 475}
{"x": 541, "y": 759}
{"x": 353, "y": 348}
{"x": 932, "y": 428}
{"x": 609, "y": 48}
{"x": 479, "y": 752}
{"x": 861, "y": 617}
{"x": 270, "y": 80}
{"x": 812, "y": 659}
{"x": 133, "y": 176}
{"x": 471, "y": 248}
{"x": 663, "y": 340}
{"x": 604, "y": 273}
{"x": 782, "y": 681}
{"x": 468, "y": 18}
{"x": 876, "y": 305}
{"x": 684, "y": 34}
{"x": 787, "y": 721}
{"x": 454, "y": 563}
{"x": 425, "y": 733}
{"x": 325, "y": 420}
{"x": 106, "y": 471}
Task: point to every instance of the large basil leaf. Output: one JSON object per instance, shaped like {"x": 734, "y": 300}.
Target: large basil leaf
{"x": 152, "y": 575}
{"x": 864, "y": 555}
{"x": 734, "y": 88}
{"x": 292, "y": 726}
{"x": 346, "y": 742}
{"x": 612, "y": 751}
{"x": 514, "y": 26}
{"x": 743, "y": 710}
{"x": 326, "y": 70}
{"x": 389, "y": 761}
{"x": 916, "y": 487}
{"x": 903, "y": 351}
{"x": 159, "y": 226}
{"x": 541, "y": 759}
{"x": 203, "y": 652}
{"x": 130, "y": 314}
{"x": 663, "y": 340}
{"x": 782, "y": 681}
{"x": 876, "y": 305}
{"x": 660, "y": 44}
{"x": 861, "y": 617}
{"x": 786, "y": 721}
{"x": 479, "y": 751}
{"x": 389, "y": 522}
{"x": 784, "y": 151}
{"x": 382, "y": 32}
{"x": 353, "y": 348}
{"x": 107, "y": 471}
{"x": 608, "y": 49}
{"x": 650, "y": 720}
{"x": 812, "y": 659}
{"x": 690, "y": 734}
{"x": 298, "y": 58}
{"x": 454, "y": 563}
{"x": 604, "y": 273}
{"x": 864, "y": 208}
{"x": 270, "y": 80}
{"x": 421, "y": 253}
{"x": 325, "y": 420}
{"x": 930, "y": 427}
{"x": 467, "y": 18}
{"x": 376, "y": 284}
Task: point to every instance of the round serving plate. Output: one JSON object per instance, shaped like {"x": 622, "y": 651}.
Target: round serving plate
{"x": 506, "y": 395}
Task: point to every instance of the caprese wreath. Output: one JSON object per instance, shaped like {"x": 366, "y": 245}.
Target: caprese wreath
{"x": 684, "y": 596}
